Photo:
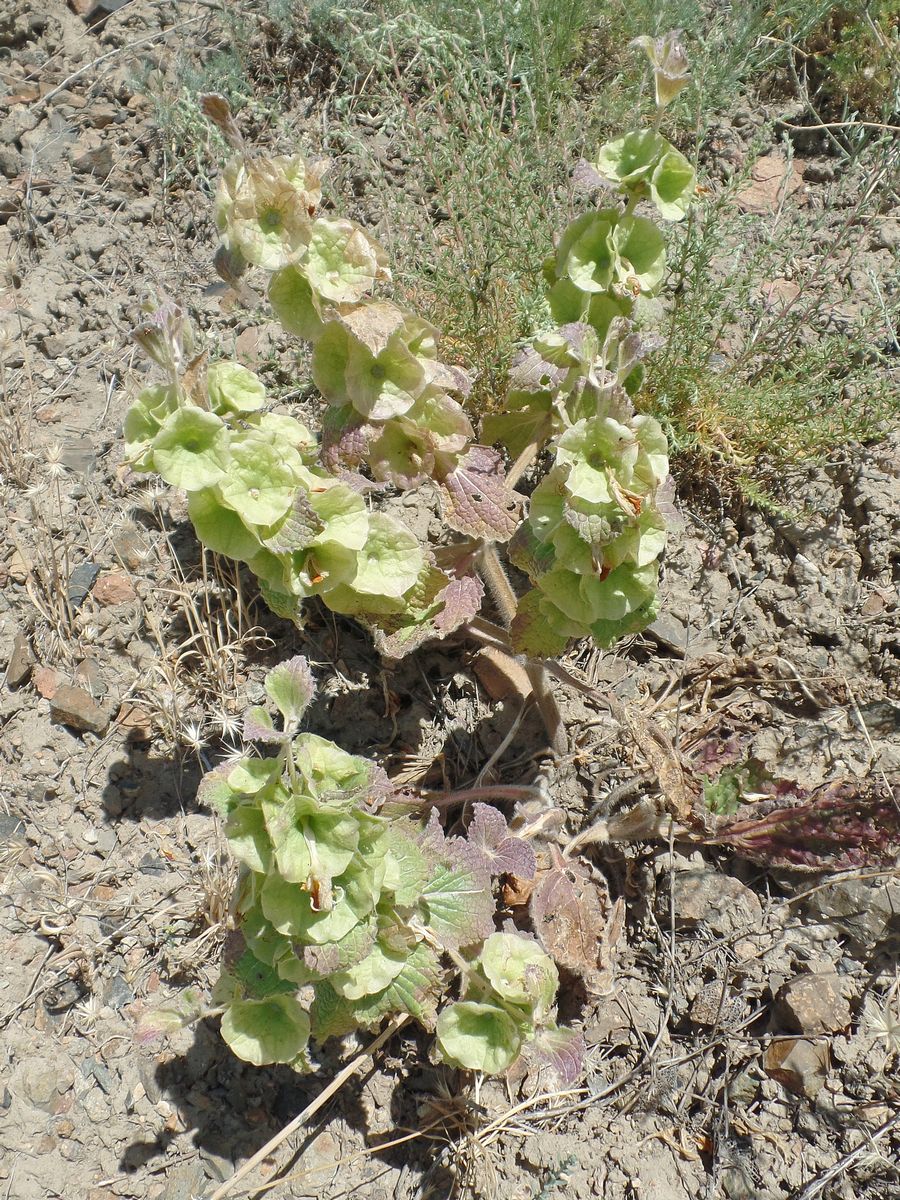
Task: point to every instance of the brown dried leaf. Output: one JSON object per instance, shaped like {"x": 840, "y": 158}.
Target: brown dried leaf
{"x": 217, "y": 109}
{"x": 571, "y": 914}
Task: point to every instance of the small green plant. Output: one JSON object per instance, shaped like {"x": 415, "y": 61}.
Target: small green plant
{"x": 350, "y": 909}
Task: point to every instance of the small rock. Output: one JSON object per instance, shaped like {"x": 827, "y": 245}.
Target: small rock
{"x": 101, "y": 115}
{"x": 117, "y": 993}
{"x": 725, "y": 904}
{"x": 500, "y": 675}
{"x": 81, "y": 579}
{"x": 772, "y": 181}
{"x": 135, "y": 721}
{"x": 779, "y": 293}
{"x": 798, "y": 1065}
{"x": 75, "y": 707}
{"x": 43, "y": 1080}
{"x": 12, "y": 829}
{"x": 46, "y": 681}
{"x": 113, "y": 587}
{"x": 19, "y": 567}
{"x": 815, "y": 1003}
{"x": 21, "y": 661}
{"x": 91, "y": 158}
{"x": 885, "y": 235}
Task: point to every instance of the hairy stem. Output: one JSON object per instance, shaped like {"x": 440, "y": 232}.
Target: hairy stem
{"x": 505, "y": 599}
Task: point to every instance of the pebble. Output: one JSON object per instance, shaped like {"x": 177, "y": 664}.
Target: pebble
{"x": 815, "y": 1003}
{"x": 75, "y": 707}
{"x": 721, "y": 902}
{"x": 797, "y": 1064}
{"x": 21, "y": 661}
{"x": 114, "y": 587}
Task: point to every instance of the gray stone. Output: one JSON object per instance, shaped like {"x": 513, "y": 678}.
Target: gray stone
{"x": 721, "y": 902}
{"x": 863, "y": 911}
{"x": 21, "y": 660}
{"x": 117, "y": 993}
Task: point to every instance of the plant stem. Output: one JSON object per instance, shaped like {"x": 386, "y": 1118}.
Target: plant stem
{"x": 497, "y": 791}
{"x": 505, "y": 599}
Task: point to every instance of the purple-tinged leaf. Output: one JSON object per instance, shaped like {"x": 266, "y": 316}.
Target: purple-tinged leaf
{"x": 290, "y": 686}
{"x": 476, "y": 499}
{"x": 296, "y": 529}
{"x": 259, "y": 727}
{"x": 531, "y": 633}
{"x": 459, "y": 905}
{"x": 461, "y": 600}
{"x": 346, "y": 438}
{"x": 552, "y": 1060}
{"x": 843, "y": 825}
{"x": 495, "y": 848}
{"x": 570, "y": 913}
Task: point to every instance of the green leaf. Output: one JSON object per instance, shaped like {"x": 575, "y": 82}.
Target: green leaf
{"x": 586, "y": 255}
{"x": 640, "y": 254}
{"x": 379, "y": 969}
{"x": 672, "y": 185}
{"x": 191, "y": 450}
{"x": 630, "y": 160}
{"x": 261, "y": 480}
{"x": 234, "y": 389}
{"x": 220, "y": 529}
{"x": 248, "y": 839}
{"x": 295, "y": 304}
{"x": 258, "y": 979}
{"x": 343, "y": 263}
{"x": 518, "y": 970}
{"x": 459, "y": 906}
{"x": 412, "y": 991}
{"x": 478, "y": 1037}
{"x": 390, "y": 561}
{"x": 344, "y": 514}
{"x": 144, "y": 420}
{"x": 406, "y": 867}
{"x": 290, "y": 686}
{"x": 535, "y": 631}
{"x": 274, "y": 1030}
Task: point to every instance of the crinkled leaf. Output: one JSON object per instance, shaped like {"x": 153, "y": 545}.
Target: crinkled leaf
{"x": 373, "y": 974}
{"x": 266, "y": 1031}
{"x": 478, "y": 1037}
{"x": 569, "y": 915}
{"x": 412, "y": 991}
{"x": 290, "y": 686}
{"x": 343, "y": 263}
{"x": 476, "y": 499}
{"x": 844, "y": 825}
{"x": 552, "y": 1060}
{"x": 258, "y": 979}
{"x": 518, "y": 970}
{"x": 459, "y": 905}
{"x": 532, "y": 633}
{"x": 461, "y": 600}
{"x": 391, "y": 560}
{"x": 499, "y": 851}
{"x": 297, "y": 529}
{"x": 261, "y": 481}
{"x": 248, "y": 838}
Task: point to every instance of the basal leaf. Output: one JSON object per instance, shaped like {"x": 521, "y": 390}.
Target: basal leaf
{"x": 478, "y": 1037}
{"x": 459, "y": 907}
{"x": 500, "y": 852}
{"x": 290, "y": 686}
{"x": 266, "y": 1031}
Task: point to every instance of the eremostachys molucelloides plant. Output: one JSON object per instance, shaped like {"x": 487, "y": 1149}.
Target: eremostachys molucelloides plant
{"x": 302, "y": 511}
{"x": 351, "y": 907}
